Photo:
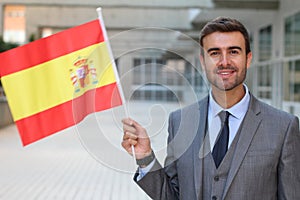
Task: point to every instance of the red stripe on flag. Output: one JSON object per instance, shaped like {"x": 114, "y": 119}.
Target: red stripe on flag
{"x": 60, "y": 117}
{"x": 51, "y": 47}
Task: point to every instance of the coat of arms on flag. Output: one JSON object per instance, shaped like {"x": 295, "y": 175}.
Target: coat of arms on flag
{"x": 83, "y": 73}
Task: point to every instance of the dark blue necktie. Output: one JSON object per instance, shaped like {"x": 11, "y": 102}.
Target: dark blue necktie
{"x": 221, "y": 145}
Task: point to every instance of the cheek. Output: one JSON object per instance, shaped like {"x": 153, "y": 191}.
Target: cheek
{"x": 211, "y": 60}
{"x": 239, "y": 63}
{"x": 209, "y": 63}
{"x": 209, "y": 72}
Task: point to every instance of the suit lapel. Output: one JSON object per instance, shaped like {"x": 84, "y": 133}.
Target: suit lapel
{"x": 249, "y": 127}
{"x": 199, "y": 147}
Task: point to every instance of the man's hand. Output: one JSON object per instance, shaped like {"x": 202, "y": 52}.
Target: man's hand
{"x": 136, "y": 135}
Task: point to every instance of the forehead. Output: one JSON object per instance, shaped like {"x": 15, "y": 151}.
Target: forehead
{"x": 224, "y": 40}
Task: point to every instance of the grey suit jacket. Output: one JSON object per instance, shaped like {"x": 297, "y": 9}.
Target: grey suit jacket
{"x": 265, "y": 166}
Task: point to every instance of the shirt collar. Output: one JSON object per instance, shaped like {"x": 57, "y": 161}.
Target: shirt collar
{"x": 238, "y": 110}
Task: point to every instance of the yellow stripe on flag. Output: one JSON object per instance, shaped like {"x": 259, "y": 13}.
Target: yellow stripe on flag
{"x": 49, "y": 84}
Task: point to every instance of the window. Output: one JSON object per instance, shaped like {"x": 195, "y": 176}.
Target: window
{"x": 264, "y": 81}
{"x": 153, "y": 80}
{"x": 160, "y": 79}
{"x": 292, "y": 81}
{"x": 292, "y": 35}
{"x": 14, "y": 24}
{"x": 265, "y": 43}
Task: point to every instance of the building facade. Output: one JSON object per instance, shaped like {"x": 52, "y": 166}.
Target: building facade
{"x": 155, "y": 43}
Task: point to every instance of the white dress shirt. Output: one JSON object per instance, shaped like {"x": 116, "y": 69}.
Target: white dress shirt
{"x": 237, "y": 114}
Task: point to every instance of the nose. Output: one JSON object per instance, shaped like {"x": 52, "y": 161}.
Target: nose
{"x": 224, "y": 60}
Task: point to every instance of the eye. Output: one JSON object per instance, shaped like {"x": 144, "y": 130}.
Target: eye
{"x": 234, "y": 52}
{"x": 214, "y": 53}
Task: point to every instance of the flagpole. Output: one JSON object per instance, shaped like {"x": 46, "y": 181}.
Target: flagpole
{"x": 99, "y": 11}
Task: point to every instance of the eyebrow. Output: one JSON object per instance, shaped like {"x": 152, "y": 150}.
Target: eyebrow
{"x": 230, "y": 48}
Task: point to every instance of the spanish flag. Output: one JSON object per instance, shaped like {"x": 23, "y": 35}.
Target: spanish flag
{"x": 53, "y": 83}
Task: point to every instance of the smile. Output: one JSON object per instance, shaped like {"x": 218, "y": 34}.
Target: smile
{"x": 225, "y": 73}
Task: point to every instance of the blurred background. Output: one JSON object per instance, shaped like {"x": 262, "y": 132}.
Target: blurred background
{"x": 155, "y": 40}
{"x": 155, "y": 46}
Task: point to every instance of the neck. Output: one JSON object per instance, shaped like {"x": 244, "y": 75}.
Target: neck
{"x": 227, "y": 99}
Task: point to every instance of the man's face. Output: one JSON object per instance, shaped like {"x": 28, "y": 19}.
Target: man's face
{"x": 224, "y": 60}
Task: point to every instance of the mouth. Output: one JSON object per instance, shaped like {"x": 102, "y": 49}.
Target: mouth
{"x": 225, "y": 73}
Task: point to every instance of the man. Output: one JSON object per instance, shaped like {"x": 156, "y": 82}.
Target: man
{"x": 261, "y": 157}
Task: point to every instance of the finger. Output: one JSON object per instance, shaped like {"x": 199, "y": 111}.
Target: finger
{"x": 137, "y": 126}
{"x": 129, "y": 135}
{"x": 127, "y": 121}
{"x": 131, "y": 122}
{"x": 130, "y": 139}
{"x": 126, "y": 144}
{"x": 132, "y": 142}
{"x": 127, "y": 128}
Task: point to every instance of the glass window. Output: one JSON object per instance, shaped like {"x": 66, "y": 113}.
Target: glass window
{"x": 292, "y": 35}
{"x": 265, "y": 81}
{"x": 265, "y": 43}
{"x": 292, "y": 81}
{"x": 137, "y": 71}
{"x": 161, "y": 76}
{"x": 163, "y": 79}
{"x": 14, "y": 24}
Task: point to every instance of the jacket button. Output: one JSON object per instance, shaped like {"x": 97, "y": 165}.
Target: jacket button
{"x": 214, "y": 198}
{"x": 216, "y": 178}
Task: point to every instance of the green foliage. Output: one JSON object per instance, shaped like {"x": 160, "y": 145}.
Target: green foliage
{"x": 31, "y": 37}
{"x": 4, "y": 46}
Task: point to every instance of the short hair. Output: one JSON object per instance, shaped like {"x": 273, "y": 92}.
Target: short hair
{"x": 225, "y": 24}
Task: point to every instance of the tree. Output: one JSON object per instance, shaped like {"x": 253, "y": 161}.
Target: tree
{"x": 4, "y": 46}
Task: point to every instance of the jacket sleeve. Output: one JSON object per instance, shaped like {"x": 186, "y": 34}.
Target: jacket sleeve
{"x": 289, "y": 164}
{"x": 161, "y": 183}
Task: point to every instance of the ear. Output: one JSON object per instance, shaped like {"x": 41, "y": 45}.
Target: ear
{"x": 249, "y": 59}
